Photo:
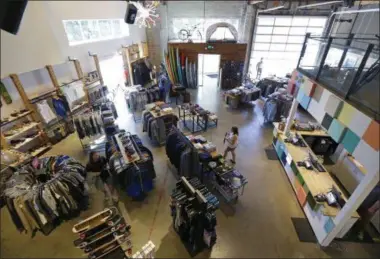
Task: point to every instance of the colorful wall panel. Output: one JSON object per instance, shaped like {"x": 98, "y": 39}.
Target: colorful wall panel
{"x": 336, "y": 130}
{"x": 371, "y": 136}
{"x": 333, "y": 106}
{"x": 358, "y": 133}
{"x": 350, "y": 141}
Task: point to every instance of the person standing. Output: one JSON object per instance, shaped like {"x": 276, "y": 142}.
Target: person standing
{"x": 259, "y": 68}
{"x": 232, "y": 141}
{"x": 98, "y": 164}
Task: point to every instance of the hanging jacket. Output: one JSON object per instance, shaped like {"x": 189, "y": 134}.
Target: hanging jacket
{"x": 60, "y": 107}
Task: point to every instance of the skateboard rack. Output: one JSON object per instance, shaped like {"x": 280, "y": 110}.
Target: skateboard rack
{"x": 103, "y": 235}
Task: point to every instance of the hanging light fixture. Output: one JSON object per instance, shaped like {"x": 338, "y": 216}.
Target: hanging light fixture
{"x": 146, "y": 13}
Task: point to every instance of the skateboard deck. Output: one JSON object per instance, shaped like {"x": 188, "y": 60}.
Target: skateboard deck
{"x": 111, "y": 226}
{"x": 94, "y": 221}
{"x": 105, "y": 240}
{"x": 110, "y": 246}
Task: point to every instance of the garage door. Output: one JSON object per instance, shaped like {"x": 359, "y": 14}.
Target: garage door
{"x": 278, "y": 40}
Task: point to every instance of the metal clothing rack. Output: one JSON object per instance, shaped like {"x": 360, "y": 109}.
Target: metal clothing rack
{"x": 127, "y": 163}
{"x": 97, "y": 144}
{"x": 186, "y": 140}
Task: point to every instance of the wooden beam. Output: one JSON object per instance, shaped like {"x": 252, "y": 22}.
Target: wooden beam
{"x": 24, "y": 97}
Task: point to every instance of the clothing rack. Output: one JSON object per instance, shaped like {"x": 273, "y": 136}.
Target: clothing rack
{"x": 91, "y": 135}
{"x": 193, "y": 214}
{"x": 137, "y": 97}
{"x": 185, "y": 160}
{"x": 158, "y": 124}
{"x": 39, "y": 199}
{"x": 136, "y": 170}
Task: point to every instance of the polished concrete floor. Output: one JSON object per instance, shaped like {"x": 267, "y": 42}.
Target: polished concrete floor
{"x": 259, "y": 225}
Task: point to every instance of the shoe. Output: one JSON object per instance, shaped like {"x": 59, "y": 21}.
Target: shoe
{"x": 232, "y": 161}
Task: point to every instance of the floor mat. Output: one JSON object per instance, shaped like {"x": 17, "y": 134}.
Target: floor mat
{"x": 303, "y": 230}
{"x": 213, "y": 75}
{"x": 271, "y": 153}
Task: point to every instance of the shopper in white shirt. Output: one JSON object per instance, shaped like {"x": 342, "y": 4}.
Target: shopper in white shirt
{"x": 232, "y": 141}
{"x": 259, "y": 68}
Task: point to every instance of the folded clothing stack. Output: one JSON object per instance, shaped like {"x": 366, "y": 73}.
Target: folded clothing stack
{"x": 213, "y": 117}
{"x": 167, "y": 110}
{"x": 200, "y": 139}
{"x": 209, "y": 147}
{"x": 198, "y": 146}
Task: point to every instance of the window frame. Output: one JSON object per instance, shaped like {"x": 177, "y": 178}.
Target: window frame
{"x": 123, "y": 30}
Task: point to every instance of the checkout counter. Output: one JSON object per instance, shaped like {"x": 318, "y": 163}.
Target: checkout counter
{"x": 309, "y": 184}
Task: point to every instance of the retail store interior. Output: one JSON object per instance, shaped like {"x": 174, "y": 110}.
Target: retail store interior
{"x": 177, "y": 129}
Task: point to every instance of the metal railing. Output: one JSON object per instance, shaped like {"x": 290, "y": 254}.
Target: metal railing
{"x": 347, "y": 66}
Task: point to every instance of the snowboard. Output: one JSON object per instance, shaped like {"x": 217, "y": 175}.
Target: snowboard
{"x": 178, "y": 67}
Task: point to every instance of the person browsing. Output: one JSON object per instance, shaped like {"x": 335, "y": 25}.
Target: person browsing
{"x": 232, "y": 141}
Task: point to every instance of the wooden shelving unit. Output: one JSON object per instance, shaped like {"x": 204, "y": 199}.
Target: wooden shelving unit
{"x": 80, "y": 77}
{"x": 32, "y": 113}
{"x": 133, "y": 53}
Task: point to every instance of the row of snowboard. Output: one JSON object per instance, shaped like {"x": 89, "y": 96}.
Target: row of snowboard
{"x": 180, "y": 70}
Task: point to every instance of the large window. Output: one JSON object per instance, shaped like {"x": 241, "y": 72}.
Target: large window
{"x": 198, "y": 27}
{"x": 278, "y": 40}
{"x": 85, "y": 31}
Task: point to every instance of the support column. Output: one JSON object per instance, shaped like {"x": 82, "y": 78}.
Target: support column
{"x": 291, "y": 116}
{"x": 252, "y": 15}
{"x": 97, "y": 65}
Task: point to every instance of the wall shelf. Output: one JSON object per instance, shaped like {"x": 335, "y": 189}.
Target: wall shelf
{"x": 16, "y": 118}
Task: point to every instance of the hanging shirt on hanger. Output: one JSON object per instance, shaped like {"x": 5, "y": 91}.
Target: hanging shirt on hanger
{"x": 44, "y": 109}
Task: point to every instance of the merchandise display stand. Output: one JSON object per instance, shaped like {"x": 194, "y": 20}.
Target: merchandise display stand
{"x": 219, "y": 174}
{"x": 242, "y": 95}
{"x": 158, "y": 118}
{"x": 23, "y": 128}
{"x": 27, "y": 184}
{"x": 195, "y": 197}
{"x": 133, "y": 165}
{"x": 90, "y": 129}
{"x": 200, "y": 122}
{"x": 183, "y": 169}
{"x": 131, "y": 54}
{"x": 102, "y": 234}
{"x": 138, "y": 97}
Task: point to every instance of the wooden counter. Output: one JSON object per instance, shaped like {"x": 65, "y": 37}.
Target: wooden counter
{"x": 321, "y": 133}
{"x": 308, "y": 183}
{"x": 317, "y": 182}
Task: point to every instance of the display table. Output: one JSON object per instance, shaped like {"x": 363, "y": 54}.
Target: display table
{"x": 308, "y": 183}
{"x": 200, "y": 120}
{"x": 241, "y": 95}
{"x": 220, "y": 175}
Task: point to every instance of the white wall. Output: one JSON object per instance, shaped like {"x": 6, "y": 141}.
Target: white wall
{"x": 42, "y": 39}
{"x": 68, "y": 10}
{"x": 33, "y": 47}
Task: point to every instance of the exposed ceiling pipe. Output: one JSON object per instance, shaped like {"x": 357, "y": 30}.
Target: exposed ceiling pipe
{"x": 358, "y": 11}
{"x": 281, "y": 6}
{"x": 319, "y": 4}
